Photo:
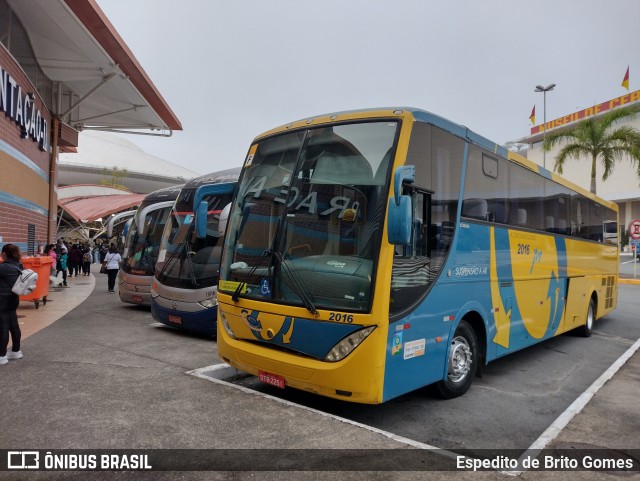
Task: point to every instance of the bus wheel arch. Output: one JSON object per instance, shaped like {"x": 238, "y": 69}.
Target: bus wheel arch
{"x": 476, "y": 321}
{"x": 463, "y": 357}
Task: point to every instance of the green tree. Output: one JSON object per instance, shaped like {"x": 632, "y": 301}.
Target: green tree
{"x": 598, "y": 139}
{"x": 115, "y": 176}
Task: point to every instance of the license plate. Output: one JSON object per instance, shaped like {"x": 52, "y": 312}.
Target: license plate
{"x": 175, "y": 319}
{"x": 136, "y": 298}
{"x": 273, "y": 379}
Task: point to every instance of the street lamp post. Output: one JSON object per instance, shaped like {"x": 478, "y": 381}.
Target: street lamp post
{"x": 544, "y": 90}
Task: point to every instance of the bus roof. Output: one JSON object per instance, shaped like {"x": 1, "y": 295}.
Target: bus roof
{"x": 419, "y": 115}
{"x": 220, "y": 177}
{"x": 166, "y": 193}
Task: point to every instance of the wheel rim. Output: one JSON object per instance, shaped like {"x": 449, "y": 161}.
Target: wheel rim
{"x": 460, "y": 359}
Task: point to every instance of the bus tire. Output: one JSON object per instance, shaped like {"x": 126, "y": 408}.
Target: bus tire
{"x": 462, "y": 362}
{"x": 587, "y": 329}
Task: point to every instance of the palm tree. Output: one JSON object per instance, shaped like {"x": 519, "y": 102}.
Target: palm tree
{"x": 598, "y": 139}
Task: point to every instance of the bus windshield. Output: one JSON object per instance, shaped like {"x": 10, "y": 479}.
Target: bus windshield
{"x": 141, "y": 250}
{"x": 186, "y": 261}
{"x": 306, "y": 224}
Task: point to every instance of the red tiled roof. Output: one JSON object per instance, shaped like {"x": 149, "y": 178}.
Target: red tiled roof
{"x": 92, "y": 208}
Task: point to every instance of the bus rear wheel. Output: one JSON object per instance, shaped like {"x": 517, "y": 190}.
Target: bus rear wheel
{"x": 462, "y": 362}
{"x": 587, "y": 329}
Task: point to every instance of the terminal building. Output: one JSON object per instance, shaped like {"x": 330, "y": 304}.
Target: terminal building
{"x": 621, "y": 187}
{"x": 63, "y": 69}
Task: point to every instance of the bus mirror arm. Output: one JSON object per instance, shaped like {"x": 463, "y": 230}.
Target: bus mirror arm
{"x": 201, "y": 220}
{"x": 406, "y": 173}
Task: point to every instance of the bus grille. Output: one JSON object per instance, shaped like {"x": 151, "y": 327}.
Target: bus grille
{"x": 609, "y": 281}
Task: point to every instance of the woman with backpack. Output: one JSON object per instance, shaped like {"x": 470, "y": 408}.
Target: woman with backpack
{"x": 10, "y": 270}
{"x": 86, "y": 261}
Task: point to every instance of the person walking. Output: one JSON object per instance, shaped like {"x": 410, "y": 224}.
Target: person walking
{"x": 10, "y": 270}
{"x": 112, "y": 263}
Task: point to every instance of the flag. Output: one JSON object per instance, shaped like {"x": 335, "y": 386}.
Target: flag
{"x": 533, "y": 116}
{"x": 625, "y": 80}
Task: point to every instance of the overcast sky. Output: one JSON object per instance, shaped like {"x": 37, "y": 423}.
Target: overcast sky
{"x": 235, "y": 68}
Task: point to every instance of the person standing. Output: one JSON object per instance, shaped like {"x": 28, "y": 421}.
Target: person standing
{"x": 86, "y": 261}
{"x": 10, "y": 270}
{"x": 50, "y": 251}
{"x": 75, "y": 260}
{"x": 112, "y": 262}
{"x": 103, "y": 252}
{"x": 61, "y": 263}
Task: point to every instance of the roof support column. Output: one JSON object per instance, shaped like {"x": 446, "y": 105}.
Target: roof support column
{"x": 53, "y": 181}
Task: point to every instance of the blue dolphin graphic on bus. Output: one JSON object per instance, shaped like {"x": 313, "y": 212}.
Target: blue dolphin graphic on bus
{"x": 308, "y": 336}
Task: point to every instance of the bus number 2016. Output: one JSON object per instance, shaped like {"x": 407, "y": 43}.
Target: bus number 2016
{"x": 524, "y": 249}
{"x": 336, "y": 316}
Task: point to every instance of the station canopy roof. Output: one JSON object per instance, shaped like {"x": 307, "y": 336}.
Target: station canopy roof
{"x": 75, "y": 44}
{"x": 88, "y": 203}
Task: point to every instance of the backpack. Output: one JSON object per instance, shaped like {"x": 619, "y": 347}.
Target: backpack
{"x": 26, "y": 283}
{"x": 86, "y": 257}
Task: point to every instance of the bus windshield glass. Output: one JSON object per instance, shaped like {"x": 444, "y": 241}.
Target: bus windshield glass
{"x": 306, "y": 225}
{"x": 141, "y": 251}
{"x": 186, "y": 261}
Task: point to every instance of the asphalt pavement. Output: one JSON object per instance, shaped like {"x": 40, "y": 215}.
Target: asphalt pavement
{"x": 98, "y": 377}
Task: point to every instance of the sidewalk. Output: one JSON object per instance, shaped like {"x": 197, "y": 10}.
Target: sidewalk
{"x": 80, "y": 386}
{"x": 628, "y": 275}
{"x": 60, "y": 301}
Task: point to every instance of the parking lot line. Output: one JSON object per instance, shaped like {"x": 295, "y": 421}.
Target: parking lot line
{"x": 556, "y": 427}
{"x": 549, "y": 434}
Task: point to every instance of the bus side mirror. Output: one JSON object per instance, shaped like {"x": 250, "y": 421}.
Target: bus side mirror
{"x": 400, "y": 210}
{"x": 224, "y": 218}
{"x": 399, "y": 225}
{"x": 201, "y": 220}
{"x": 127, "y": 226}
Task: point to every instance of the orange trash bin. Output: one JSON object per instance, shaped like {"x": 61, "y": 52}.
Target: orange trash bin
{"x": 42, "y": 267}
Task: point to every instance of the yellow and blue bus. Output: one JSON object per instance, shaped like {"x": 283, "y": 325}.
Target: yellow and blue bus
{"x": 183, "y": 291}
{"x": 371, "y": 253}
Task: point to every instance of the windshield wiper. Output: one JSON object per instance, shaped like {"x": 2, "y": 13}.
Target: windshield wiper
{"x": 189, "y": 253}
{"x": 236, "y": 294}
{"x": 168, "y": 261}
{"x": 297, "y": 285}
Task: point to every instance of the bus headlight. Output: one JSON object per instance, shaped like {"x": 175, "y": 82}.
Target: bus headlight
{"x": 348, "y": 344}
{"x": 209, "y": 303}
{"x": 226, "y": 325}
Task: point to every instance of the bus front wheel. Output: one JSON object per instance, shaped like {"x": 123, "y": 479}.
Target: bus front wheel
{"x": 462, "y": 362}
